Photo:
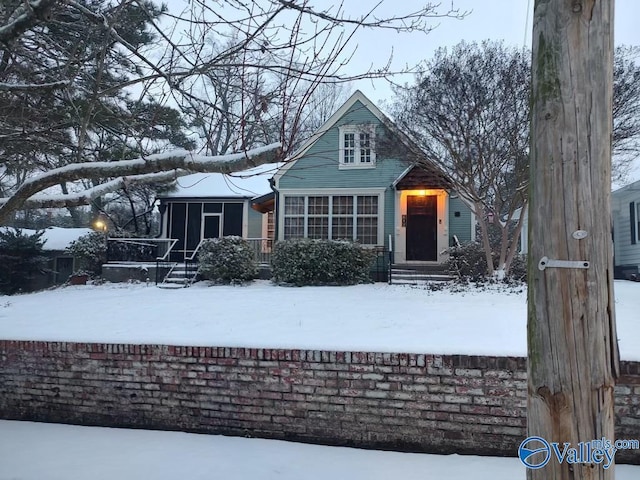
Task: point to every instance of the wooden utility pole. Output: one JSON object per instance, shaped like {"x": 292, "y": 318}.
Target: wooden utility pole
{"x": 572, "y": 343}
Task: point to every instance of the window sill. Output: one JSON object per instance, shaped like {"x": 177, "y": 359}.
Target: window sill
{"x": 355, "y": 166}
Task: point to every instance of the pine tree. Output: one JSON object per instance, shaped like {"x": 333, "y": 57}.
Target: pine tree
{"x": 21, "y": 259}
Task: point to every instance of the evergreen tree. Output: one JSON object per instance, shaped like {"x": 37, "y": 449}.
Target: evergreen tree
{"x": 21, "y": 259}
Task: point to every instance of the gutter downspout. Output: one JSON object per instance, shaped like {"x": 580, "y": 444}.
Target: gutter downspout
{"x": 276, "y": 207}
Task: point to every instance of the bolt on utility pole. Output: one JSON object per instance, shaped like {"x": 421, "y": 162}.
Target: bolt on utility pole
{"x": 572, "y": 343}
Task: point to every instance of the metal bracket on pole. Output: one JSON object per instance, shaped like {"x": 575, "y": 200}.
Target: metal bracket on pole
{"x": 550, "y": 263}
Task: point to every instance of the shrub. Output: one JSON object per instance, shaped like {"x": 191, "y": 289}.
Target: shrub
{"x": 518, "y": 269}
{"x": 467, "y": 262}
{"x": 90, "y": 251}
{"x": 21, "y": 259}
{"x": 227, "y": 260}
{"x": 321, "y": 262}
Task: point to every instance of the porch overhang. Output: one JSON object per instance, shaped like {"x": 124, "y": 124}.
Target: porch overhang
{"x": 264, "y": 203}
{"x": 422, "y": 177}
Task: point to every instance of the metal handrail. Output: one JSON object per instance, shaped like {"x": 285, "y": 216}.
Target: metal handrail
{"x": 163, "y": 258}
{"x": 390, "y": 259}
{"x": 166, "y": 254}
{"x": 196, "y": 250}
{"x": 135, "y": 241}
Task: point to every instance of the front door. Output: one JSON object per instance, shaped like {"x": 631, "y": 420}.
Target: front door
{"x": 422, "y": 228}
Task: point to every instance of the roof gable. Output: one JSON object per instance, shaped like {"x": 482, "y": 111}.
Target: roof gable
{"x": 412, "y": 151}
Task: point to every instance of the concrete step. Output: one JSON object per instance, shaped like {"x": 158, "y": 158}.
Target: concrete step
{"x": 411, "y": 278}
{"x": 412, "y": 267}
{"x": 415, "y": 282}
{"x": 177, "y": 279}
{"x": 171, "y": 286}
{"x": 407, "y": 274}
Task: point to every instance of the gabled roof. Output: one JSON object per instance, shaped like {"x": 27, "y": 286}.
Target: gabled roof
{"x": 631, "y": 187}
{"x": 418, "y": 176}
{"x": 415, "y": 151}
{"x": 55, "y": 238}
{"x": 250, "y": 183}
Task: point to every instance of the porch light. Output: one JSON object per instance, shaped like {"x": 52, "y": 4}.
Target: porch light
{"x": 100, "y": 225}
{"x": 422, "y": 193}
{"x": 490, "y": 217}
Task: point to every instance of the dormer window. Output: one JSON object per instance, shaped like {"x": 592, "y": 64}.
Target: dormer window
{"x": 357, "y": 146}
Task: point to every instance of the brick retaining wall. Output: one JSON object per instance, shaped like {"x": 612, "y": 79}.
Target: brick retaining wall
{"x": 430, "y": 403}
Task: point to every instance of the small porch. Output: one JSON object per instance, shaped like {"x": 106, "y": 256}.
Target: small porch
{"x": 421, "y": 218}
{"x": 157, "y": 260}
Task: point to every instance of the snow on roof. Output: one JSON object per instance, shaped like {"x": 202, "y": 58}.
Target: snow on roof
{"x": 246, "y": 184}
{"x": 57, "y": 238}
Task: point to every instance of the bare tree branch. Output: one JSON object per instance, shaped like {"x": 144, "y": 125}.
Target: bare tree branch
{"x": 26, "y": 87}
{"x": 25, "y": 16}
{"x": 180, "y": 160}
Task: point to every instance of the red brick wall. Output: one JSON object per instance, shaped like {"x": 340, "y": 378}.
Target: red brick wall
{"x": 431, "y": 403}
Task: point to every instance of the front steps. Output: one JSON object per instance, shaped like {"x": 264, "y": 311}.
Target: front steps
{"x": 418, "y": 274}
{"x": 179, "y": 277}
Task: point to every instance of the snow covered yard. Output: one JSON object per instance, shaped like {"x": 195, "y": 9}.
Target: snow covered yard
{"x": 375, "y": 317}
{"x": 35, "y": 451}
{"x": 366, "y": 317}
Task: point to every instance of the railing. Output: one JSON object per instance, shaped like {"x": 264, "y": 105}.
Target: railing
{"x": 190, "y": 263}
{"x": 137, "y": 249}
{"x": 162, "y": 261}
{"x": 390, "y": 260}
{"x": 262, "y": 248}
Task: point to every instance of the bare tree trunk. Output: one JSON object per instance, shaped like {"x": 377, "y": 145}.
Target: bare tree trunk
{"x": 572, "y": 343}
{"x": 484, "y": 233}
{"x": 513, "y": 245}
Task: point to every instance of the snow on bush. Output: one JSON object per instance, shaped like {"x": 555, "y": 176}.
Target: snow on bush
{"x": 227, "y": 260}
{"x": 321, "y": 262}
{"x": 468, "y": 262}
{"x": 90, "y": 251}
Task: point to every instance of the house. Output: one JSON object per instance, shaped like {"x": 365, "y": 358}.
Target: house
{"x": 213, "y": 205}
{"x": 360, "y": 178}
{"x": 626, "y": 231}
{"x": 60, "y": 264}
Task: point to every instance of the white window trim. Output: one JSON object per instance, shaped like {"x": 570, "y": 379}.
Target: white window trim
{"x": 637, "y": 219}
{"x": 356, "y": 130}
{"x": 379, "y": 192}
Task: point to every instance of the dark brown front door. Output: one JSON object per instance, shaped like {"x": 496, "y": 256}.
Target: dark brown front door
{"x": 422, "y": 228}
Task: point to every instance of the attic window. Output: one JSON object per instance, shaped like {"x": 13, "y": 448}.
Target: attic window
{"x": 357, "y": 146}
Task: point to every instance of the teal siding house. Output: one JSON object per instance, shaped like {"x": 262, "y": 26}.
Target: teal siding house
{"x": 359, "y": 178}
{"x": 626, "y": 231}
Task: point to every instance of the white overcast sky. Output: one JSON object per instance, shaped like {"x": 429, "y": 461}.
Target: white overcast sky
{"x": 508, "y": 20}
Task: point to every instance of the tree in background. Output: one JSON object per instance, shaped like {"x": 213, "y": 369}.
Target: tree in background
{"x": 626, "y": 110}
{"x": 68, "y": 66}
{"x": 469, "y": 110}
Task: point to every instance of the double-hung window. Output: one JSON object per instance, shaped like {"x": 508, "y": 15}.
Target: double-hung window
{"x": 357, "y": 146}
{"x": 334, "y": 217}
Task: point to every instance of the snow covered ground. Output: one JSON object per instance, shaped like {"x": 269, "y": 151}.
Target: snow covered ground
{"x": 377, "y": 317}
{"x": 366, "y": 317}
{"x": 37, "y": 451}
